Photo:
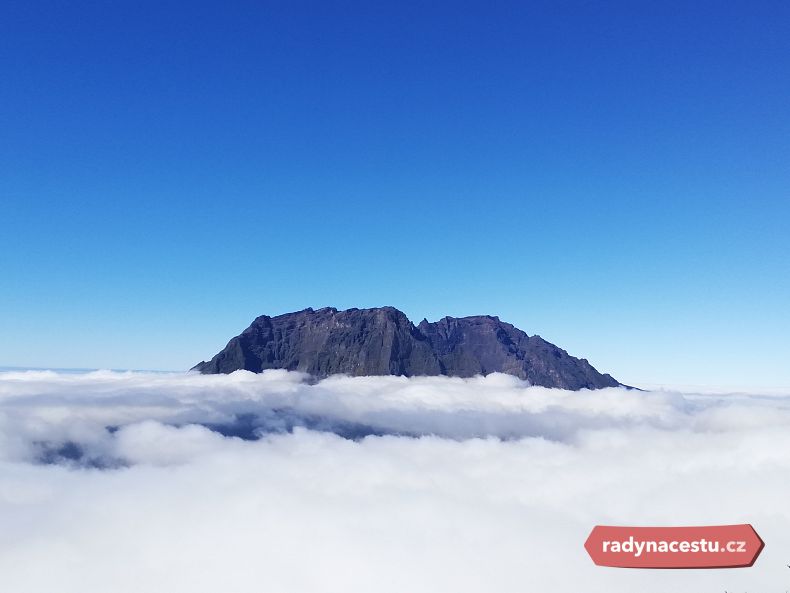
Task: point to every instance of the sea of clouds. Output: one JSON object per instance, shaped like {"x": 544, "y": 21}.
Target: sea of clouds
{"x": 271, "y": 483}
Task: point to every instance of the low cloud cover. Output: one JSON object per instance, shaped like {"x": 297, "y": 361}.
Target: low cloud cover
{"x": 153, "y": 482}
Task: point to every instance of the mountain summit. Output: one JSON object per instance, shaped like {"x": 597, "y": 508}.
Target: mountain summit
{"x": 382, "y": 341}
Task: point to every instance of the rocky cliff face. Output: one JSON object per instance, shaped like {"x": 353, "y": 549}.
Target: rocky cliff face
{"x": 383, "y": 341}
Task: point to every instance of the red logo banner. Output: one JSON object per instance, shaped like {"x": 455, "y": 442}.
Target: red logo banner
{"x": 715, "y": 546}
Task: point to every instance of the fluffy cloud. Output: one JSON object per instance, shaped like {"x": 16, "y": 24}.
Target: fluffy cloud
{"x": 145, "y": 482}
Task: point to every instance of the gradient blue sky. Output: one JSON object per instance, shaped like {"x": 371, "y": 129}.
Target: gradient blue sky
{"x": 614, "y": 176}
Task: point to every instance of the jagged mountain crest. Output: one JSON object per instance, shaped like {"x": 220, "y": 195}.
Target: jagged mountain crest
{"x": 383, "y": 341}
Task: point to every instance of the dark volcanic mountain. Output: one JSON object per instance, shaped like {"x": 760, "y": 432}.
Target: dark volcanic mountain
{"x": 383, "y": 341}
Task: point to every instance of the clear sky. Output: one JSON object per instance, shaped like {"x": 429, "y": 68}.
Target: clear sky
{"x": 614, "y": 176}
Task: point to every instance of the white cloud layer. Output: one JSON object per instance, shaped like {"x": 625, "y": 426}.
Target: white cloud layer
{"x": 130, "y": 482}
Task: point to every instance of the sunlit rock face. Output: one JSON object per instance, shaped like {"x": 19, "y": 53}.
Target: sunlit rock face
{"x": 382, "y": 341}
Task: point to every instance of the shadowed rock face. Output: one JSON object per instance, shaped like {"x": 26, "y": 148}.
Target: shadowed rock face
{"x": 383, "y": 341}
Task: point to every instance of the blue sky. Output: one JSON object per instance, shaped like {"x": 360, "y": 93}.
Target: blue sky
{"x": 613, "y": 176}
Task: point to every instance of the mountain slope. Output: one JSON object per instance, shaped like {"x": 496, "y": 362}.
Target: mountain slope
{"x": 382, "y": 341}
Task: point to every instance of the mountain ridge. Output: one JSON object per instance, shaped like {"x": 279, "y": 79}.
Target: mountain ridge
{"x": 383, "y": 341}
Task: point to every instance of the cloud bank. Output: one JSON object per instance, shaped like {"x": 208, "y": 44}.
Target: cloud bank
{"x": 150, "y": 482}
